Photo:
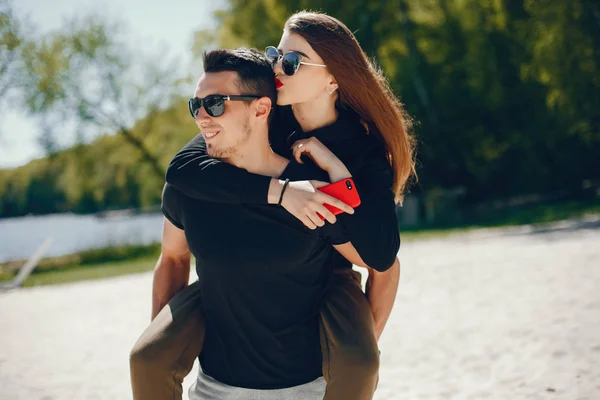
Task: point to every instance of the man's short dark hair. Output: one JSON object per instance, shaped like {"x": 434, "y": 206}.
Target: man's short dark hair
{"x": 255, "y": 71}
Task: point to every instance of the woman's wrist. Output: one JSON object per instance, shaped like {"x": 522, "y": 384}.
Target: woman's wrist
{"x": 339, "y": 172}
{"x": 285, "y": 185}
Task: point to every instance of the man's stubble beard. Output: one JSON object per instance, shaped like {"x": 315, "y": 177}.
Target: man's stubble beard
{"x": 231, "y": 151}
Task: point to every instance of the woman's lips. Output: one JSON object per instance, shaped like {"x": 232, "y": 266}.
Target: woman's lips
{"x": 278, "y": 83}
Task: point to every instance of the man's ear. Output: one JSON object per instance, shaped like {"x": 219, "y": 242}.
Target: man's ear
{"x": 263, "y": 107}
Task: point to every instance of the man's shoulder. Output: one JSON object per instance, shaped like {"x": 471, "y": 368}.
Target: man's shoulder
{"x": 173, "y": 195}
{"x": 196, "y": 143}
{"x": 170, "y": 192}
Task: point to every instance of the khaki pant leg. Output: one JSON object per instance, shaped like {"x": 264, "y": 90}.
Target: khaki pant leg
{"x": 165, "y": 353}
{"x": 348, "y": 343}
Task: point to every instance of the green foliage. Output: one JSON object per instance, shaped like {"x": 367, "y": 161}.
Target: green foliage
{"x": 11, "y": 44}
{"x": 85, "y": 74}
{"x": 105, "y": 174}
{"x": 506, "y": 95}
{"x": 76, "y": 273}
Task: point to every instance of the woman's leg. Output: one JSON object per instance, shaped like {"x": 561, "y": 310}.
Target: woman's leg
{"x": 166, "y": 351}
{"x": 348, "y": 343}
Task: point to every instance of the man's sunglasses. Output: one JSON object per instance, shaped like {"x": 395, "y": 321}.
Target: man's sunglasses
{"x": 214, "y": 104}
{"x": 291, "y": 61}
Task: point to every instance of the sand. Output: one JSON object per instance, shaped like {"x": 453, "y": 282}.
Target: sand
{"x": 492, "y": 314}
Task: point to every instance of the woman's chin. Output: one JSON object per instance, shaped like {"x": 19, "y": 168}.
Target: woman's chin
{"x": 282, "y": 101}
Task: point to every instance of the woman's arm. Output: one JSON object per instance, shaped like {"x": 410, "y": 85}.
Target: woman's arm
{"x": 194, "y": 173}
{"x": 373, "y": 228}
{"x": 198, "y": 175}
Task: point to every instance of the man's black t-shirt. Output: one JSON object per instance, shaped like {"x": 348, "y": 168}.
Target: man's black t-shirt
{"x": 262, "y": 275}
{"x": 372, "y": 229}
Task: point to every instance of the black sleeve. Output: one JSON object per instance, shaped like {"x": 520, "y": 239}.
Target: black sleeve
{"x": 171, "y": 205}
{"x": 373, "y": 228}
{"x": 193, "y": 172}
{"x": 334, "y": 233}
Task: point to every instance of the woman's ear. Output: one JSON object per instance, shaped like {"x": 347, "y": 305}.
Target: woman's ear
{"x": 333, "y": 83}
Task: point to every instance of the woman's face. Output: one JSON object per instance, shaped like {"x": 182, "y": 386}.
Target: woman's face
{"x": 309, "y": 82}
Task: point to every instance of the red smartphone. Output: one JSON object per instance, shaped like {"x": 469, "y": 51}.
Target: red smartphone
{"x": 343, "y": 190}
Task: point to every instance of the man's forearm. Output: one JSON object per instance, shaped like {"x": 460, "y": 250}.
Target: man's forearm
{"x": 170, "y": 276}
{"x": 381, "y": 291}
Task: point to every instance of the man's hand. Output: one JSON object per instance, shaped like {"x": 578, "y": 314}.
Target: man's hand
{"x": 304, "y": 201}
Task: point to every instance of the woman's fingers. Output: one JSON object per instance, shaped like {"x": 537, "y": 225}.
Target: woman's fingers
{"x": 308, "y": 222}
{"x": 332, "y": 201}
{"x": 326, "y": 214}
{"x": 298, "y": 149}
{"x": 316, "y": 220}
{"x": 297, "y": 156}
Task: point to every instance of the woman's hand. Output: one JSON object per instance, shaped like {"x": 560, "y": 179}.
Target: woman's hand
{"x": 322, "y": 156}
{"x": 305, "y": 202}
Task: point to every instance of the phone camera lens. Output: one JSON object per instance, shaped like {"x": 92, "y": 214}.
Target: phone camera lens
{"x": 349, "y": 185}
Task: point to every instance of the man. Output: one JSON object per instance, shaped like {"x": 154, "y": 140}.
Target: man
{"x": 262, "y": 274}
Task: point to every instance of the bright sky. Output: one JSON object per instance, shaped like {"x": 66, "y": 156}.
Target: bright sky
{"x": 168, "y": 24}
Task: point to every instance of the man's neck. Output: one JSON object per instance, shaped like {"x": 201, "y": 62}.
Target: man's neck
{"x": 316, "y": 113}
{"x": 257, "y": 157}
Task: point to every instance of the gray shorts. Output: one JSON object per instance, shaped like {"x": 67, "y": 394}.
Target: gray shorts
{"x": 207, "y": 388}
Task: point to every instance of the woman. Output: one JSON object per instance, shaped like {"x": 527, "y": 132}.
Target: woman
{"x": 333, "y": 99}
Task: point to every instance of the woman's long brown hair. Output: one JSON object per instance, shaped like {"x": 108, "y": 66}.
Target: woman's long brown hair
{"x": 362, "y": 87}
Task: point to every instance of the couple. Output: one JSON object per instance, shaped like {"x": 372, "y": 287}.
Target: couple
{"x": 277, "y": 311}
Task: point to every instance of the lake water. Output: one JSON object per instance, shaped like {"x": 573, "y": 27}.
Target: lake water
{"x": 20, "y": 237}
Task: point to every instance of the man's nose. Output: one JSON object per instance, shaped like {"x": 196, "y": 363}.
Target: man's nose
{"x": 203, "y": 117}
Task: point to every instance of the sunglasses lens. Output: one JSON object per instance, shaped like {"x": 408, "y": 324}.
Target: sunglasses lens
{"x": 272, "y": 54}
{"x": 194, "y": 107}
{"x": 290, "y": 64}
{"x": 214, "y": 105}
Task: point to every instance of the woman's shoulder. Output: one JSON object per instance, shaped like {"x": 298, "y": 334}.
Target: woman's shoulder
{"x": 362, "y": 137}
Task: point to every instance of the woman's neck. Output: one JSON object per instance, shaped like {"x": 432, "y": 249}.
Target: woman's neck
{"x": 315, "y": 114}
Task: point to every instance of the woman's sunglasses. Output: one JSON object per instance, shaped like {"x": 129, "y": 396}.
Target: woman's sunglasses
{"x": 291, "y": 61}
{"x": 214, "y": 104}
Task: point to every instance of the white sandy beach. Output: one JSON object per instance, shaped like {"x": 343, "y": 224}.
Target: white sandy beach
{"x": 493, "y": 314}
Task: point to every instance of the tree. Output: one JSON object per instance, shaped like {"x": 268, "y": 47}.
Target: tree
{"x": 86, "y": 74}
{"x": 506, "y": 92}
{"x": 11, "y": 41}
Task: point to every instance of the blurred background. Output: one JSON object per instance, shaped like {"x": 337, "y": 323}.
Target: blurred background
{"x": 505, "y": 95}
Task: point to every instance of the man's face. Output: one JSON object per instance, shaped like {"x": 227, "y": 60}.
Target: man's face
{"x": 224, "y": 135}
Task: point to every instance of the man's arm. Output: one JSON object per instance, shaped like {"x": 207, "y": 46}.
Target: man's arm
{"x": 381, "y": 287}
{"x": 172, "y": 271}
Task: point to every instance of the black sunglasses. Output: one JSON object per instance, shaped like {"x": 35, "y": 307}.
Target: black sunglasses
{"x": 214, "y": 104}
{"x": 291, "y": 61}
